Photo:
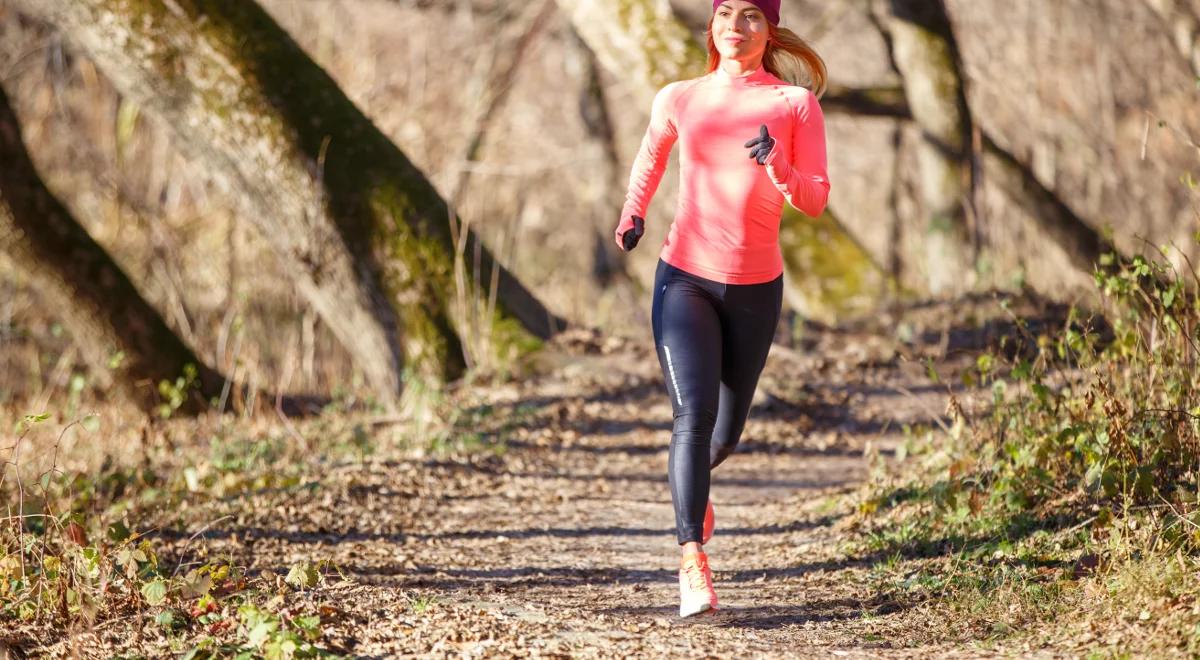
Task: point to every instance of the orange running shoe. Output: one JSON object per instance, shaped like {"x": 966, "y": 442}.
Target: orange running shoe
{"x": 707, "y": 532}
{"x": 696, "y": 592}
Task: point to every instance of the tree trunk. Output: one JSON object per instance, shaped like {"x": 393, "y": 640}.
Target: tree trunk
{"x": 122, "y": 338}
{"x": 608, "y": 262}
{"x": 1185, "y": 29}
{"x": 866, "y": 101}
{"x": 926, "y": 56}
{"x": 829, "y": 274}
{"x": 367, "y": 238}
{"x": 1055, "y": 220}
{"x": 924, "y": 52}
{"x": 639, "y": 40}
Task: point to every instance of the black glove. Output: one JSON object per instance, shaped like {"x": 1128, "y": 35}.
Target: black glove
{"x": 762, "y": 145}
{"x": 632, "y": 236}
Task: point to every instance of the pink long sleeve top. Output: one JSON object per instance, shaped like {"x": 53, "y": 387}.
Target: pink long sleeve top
{"x": 726, "y": 224}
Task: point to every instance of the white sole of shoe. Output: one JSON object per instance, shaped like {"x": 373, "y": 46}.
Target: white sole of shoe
{"x": 686, "y": 610}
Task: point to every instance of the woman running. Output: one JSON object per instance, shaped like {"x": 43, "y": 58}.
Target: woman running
{"x": 718, "y": 287}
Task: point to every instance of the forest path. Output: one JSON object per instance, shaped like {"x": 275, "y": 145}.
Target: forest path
{"x": 563, "y": 543}
{"x": 545, "y": 527}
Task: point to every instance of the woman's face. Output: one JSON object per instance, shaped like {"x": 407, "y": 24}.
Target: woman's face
{"x": 739, "y": 30}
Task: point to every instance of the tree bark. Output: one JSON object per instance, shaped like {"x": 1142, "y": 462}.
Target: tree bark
{"x": 608, "y": 262}
{"x": 123, "y": 338}
{"x": 926, "y": 56}
{"x": 1082, "y": 244}
{"x": 1185, "y": 29}
{"x": 640, "y": 40}
{"x": 369, "y": 241}
{"x": 866, "y": 102}
{"x": 921, "y": 40}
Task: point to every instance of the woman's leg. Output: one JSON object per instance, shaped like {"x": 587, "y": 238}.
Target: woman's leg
{"x": 749, "y": 315}
{"x": 687, "y": 334}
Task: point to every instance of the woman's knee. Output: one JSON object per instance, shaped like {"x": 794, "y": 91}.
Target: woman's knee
{"x": 695, "y": 425}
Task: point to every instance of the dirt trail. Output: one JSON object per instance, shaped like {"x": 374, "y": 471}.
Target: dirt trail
{"x": 563, "y": 543}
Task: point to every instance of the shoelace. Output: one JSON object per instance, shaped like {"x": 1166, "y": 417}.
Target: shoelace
{"x": 695, "y": 576}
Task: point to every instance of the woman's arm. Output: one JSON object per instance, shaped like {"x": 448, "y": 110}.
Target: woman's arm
{"x": 804, "y": 181}
{"x": 651, "y": 160}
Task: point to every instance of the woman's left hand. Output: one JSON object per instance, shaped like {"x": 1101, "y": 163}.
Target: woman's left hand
{"x": 761, "y": 146}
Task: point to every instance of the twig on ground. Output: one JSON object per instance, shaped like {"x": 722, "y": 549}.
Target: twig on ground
{"x": 187, "y": 544}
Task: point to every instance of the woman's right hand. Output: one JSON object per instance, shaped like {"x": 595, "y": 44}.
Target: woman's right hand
{"x": 628, "y": 236}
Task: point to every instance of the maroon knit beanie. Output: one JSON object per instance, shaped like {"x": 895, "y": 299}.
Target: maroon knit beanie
{"x": 770, "y": 8}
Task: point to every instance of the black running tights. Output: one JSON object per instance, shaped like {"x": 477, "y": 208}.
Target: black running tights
{"x": 712, "y": 342}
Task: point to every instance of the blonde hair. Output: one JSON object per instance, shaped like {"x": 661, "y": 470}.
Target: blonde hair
{"x": 788, "y": 57}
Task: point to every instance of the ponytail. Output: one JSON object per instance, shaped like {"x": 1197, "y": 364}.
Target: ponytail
{"x": 788, "y": 57}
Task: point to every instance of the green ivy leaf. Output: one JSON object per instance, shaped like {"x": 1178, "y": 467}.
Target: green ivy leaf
{"x": 261, "y": 632}
{"x": 155, "y": 592}
{"x": 1022, "y": 370}
{"x": 302, "y": 575}
{"x": 308, "y": 623}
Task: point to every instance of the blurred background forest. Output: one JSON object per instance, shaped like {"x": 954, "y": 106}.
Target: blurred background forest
{"x": 1074, "y": 126}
